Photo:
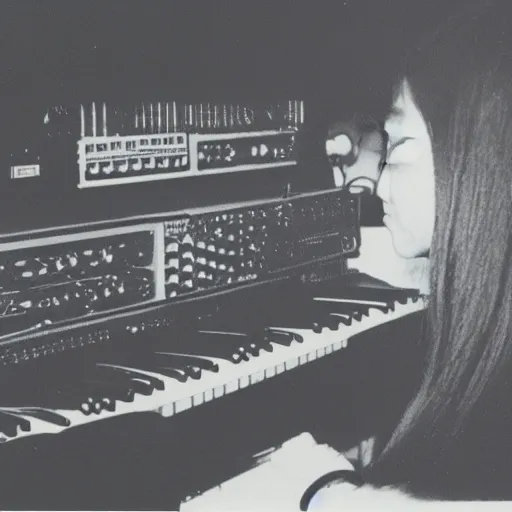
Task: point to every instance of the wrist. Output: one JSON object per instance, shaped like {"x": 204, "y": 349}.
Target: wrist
{"x": 338, "y": 476}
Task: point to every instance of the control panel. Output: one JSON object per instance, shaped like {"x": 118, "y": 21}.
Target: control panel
{"x": 48, "y": 281}
{"x": 119, "y": 144}
{"x": 83, "y": 276}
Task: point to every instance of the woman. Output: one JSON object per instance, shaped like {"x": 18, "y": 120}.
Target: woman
{"x": 447, "y": 191}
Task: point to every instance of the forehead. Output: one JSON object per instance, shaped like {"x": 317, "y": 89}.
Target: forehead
{"x": 405, "y": 119}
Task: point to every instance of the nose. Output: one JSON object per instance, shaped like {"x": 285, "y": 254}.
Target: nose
{"x": 384, "y": 185}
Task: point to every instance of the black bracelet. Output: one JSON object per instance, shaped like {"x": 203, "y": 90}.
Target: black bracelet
{"x": 345, "y": 475}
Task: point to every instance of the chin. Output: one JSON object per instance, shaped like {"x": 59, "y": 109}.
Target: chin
{"x": 408, "y": 249}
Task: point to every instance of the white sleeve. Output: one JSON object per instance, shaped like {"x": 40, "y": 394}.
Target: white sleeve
{"x": 278, "y": 481}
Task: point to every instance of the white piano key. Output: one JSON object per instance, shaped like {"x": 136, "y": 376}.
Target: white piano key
{"x": 270, "y": 372}
{"x": 208, "y": 395}
{"x": 280, "y": 368}
{"x": 257, "y": 377}
{"x": 244, "y": 382}
{"x": 291, "y": 364}
{"x": 218, "y": 392}
{"x": 197, "y": 399}
{"x": 182, "y": 405}
{"x": 232, "y": 386}
{"x": 167, "y": 410}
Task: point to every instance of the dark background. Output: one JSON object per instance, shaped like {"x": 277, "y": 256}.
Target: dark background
{"x": 207, "y": 48}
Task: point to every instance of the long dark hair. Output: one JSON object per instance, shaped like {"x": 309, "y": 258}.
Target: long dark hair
{"x": 461, "y": 80}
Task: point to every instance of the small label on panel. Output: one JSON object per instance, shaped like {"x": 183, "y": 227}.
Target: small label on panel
{"x": 176, "y": 227}
{"x": 25, "y": 171}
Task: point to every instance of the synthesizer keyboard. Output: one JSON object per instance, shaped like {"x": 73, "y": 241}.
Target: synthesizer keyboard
{"x": 181, "y": 369}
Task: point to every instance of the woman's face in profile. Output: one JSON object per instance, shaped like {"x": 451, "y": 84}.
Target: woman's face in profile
{"x": 406, "y": 185}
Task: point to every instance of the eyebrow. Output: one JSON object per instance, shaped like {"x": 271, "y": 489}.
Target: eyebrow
{"x": 399, "y": 142}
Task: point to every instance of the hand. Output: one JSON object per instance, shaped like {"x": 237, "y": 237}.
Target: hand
{"x": 278, "y": 480}
{"x": 344, "y": 496}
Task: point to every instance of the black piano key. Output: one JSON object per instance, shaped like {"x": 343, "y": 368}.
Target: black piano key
{"x": 282, "y": 337}
{"x": 378, "y": 295}
{"x": 94, "y": 403}
{"x": 194, "y": 372}
{"x": 331, "y": 321}
{"x": 105, "y": 373}
{"x": 188, "y": 372}
{"x": 48, "y": 395}
{"x": 97, "y": 407}
{"x": 199, "y": 362}
{"x": 156, "y": 363}
{"x": 179, "y": 374}
{"x": 73, "y": 392}
{"x": 9, "y": 424}
{"x": 45, "y": 386}
{"x": 234, "y": 319}
{"x": 292, "y": 320}
{"x": 363, "y": 287}
{"x": 333, "y": 306}
{"x": 108, "y": 404}
{"x": 296, "y": 311}
{"x": 220, "y": 346}
{"x": 235, "y": 323}
{"x": 110, "y": 390}
{"x": 191, "y": 344}
{"x": 87, "y": 408}
{"x": 157, "y": 383}
{"x": 261, "y": 344}
{"x": 145, "y": 359}
{"x": 239, "y": 343}
{"x": 23, "y": 424}
{"x": 258, "y": 344}
{"x": 342, "y": 318}
{"x": 46, "y": 415}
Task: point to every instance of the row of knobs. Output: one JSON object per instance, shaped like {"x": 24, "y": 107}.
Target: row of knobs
{"x": 207, "y": 264}
{"x": 226, "y": 247}
{"x": 74, "y": 264}
{"x": 21, "y": 352}
{"x": 227, "y": 153}
{"x": 82, "y": 297}
{"x": 135, "y": 165}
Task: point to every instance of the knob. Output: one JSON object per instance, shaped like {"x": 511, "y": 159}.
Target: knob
{"x": 173, "y": 263}
{"x": 94, "y": 169}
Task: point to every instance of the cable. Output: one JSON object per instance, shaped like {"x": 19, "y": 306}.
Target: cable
{"x": 371, "y": 189}
{"x": 344, "y": 475}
